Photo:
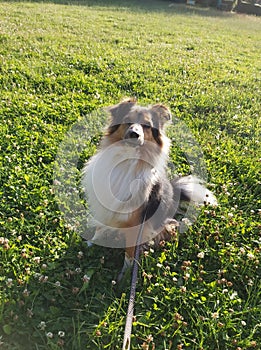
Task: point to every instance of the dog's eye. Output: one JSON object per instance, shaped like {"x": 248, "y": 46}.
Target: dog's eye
{"x": 155, "y": 132}
{"x": 146, "y": 126}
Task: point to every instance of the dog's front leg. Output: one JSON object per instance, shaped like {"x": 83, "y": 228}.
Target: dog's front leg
{"x": 128, "y": 261}
{"x": 130, "y": 242}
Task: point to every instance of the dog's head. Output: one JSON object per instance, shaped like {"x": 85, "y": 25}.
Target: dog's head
{"x": 135, "y": 124}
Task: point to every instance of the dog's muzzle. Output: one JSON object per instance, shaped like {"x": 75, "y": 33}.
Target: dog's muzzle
{"x": 134, "y": 135}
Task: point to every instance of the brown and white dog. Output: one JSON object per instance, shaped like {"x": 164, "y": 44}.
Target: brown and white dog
{"x": 126, "y": 179}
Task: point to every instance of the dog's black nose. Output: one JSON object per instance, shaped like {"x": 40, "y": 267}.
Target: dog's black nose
{"x": 133, "y": 135}
{"x": 134, "y": 131}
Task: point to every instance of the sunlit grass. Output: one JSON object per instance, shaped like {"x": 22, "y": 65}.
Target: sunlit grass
{"x": 60, "y": 62}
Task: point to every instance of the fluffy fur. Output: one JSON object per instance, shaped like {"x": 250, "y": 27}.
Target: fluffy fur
{"x": 126, "y": 180}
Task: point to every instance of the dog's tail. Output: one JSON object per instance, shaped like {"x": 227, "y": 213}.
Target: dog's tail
{"x": 189, "y": 192}
{"x": 192, "y": 189}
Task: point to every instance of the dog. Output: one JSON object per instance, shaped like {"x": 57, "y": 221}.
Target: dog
{"x": 126, "y": 181}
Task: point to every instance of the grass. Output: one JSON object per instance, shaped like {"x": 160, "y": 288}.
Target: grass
{"x": 58, "y": 63}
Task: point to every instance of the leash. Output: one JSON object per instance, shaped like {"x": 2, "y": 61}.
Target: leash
{"x": 134, "y": 276}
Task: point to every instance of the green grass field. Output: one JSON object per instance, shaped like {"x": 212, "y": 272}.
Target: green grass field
{"x": 59, "y": 62}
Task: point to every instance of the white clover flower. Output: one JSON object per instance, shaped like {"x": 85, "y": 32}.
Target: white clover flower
{"x": 251, "y": 256}
{"x": 49, "y": 335}
{"x": 42, "y": 325}
{"x": 26, "y": 293}
{"x": 250, "y": 282}
{"x": 61, "y": 334}
{"x": 187, "y": 275}
{"x": 86, "y": 279}
{"x": 43, "y": 279}
{"x": 201, "y": 255}
{"x": 233, "y": 295}
{"x": 9, "y": 282}
{"x": 37, "y": 259}
{"x": 242, "y": 251}
{"x": 80, "y": 255}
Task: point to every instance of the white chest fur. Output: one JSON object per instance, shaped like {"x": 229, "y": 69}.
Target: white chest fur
{"x": 117, "y": 182}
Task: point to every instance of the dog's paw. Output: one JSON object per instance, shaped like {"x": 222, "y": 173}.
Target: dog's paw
{"x": 168, "y": 233}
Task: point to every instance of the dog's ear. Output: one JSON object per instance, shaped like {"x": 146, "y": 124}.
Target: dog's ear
{"x": 160, "y": 115}
{"x": 120, "y": 110}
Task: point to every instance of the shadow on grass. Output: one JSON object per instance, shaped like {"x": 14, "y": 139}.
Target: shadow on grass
{"x": 71, "y": 295}
{"x": 146, "y": 6}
